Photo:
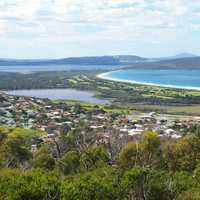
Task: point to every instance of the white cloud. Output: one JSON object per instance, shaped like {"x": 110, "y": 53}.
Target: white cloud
{"x": 103, "y": 12}
{"x": 75, "y": 20}
{"x": 20, "y": 8}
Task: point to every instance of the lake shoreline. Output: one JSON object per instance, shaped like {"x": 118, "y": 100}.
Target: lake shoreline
{"x": 105, "y": 76}
{"x": 59, "y": 94}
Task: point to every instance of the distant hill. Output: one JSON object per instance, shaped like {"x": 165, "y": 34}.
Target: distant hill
{"x": 191, "y": 62}
{"x": 178, "y": 63}
{"x": 99, "y": 60}
{"x": 181, "y": 55}
{"x": 184, "y": 60}
{"x": 184, "y": 55}
{"x": 130, "y": 59}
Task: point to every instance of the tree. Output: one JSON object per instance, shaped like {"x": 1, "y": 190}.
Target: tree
{"x": 130, "y": 155}
{"x": 43, "y": 159}
{"x": 15, "y": 151}
{"x": 69, "y": 163}
{"x": 29, "y": 185}
{"x": 184, "y": 154}
{"x": 94, "y": 157}
{"x": 100, "y": 184}
{"x": 159, "y": 185}
{"x": 145, "y": 153}
{"x": 183, "y": 181}
{"x": 134, "y": 183}
{"x": 151, "y": 150}
{"x": 144, "y": 184}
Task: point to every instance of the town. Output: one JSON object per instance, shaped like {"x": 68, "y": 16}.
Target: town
{"x": 106, "y": 127}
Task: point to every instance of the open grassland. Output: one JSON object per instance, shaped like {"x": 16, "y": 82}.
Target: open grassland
{"x": 193, "y": 110}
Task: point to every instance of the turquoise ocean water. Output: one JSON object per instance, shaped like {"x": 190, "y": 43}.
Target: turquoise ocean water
{"x": 189, "y": 79}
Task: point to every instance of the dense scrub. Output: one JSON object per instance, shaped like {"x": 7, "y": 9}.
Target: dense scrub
{"x": 147, "y": 169}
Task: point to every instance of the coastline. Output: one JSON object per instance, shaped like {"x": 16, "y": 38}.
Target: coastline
{"x": 105, "y": 76}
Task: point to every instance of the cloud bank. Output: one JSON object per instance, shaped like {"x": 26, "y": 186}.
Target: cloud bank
{"x": 75, "y": 24}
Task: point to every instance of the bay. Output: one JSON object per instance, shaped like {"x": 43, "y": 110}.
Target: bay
{"x": 175, "y": 78}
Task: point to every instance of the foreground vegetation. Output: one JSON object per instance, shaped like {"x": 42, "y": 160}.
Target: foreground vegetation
{"x": 73, "y": 167}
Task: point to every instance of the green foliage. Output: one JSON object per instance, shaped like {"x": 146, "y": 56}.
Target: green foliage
{"x": 151, "y": 150}
{"x": 192, "y": 194}
{"x": 183, "y": 155}
{"x": 30, "y": 136}
{"x": 159, "y": 185}
{"x": 145, "y": 169}
{"x": 15, "y": 146}
{"x": 96, "y": 185}
{"x": 94, "y": 157}
{"x": 30, "y": 185}
{"x": 150, "y": 142}
{"x": 3, "y": 134}
{"x": 134, "y": 183}
{"x": 15, "y": 151}
{"x": 183, "y": 181}
{"x": 42, "y": 159}
{"x": 130, "y": 155}
{"x": 141, "y": 183}
{"x": 69, "y": 163}
{"x": 142, "y": 153}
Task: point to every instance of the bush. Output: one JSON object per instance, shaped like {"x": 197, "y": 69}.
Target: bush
{"x": 29, "y": 185}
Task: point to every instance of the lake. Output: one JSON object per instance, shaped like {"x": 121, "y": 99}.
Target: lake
{"x": 60, "y": 94}
{"x": 176, "y": 78}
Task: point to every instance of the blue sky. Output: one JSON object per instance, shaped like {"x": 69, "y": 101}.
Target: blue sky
{"x": 63, "y": 28}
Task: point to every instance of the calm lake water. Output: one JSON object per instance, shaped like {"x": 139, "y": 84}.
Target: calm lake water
{"x": 60, "y": 94}
{"x": 188, "y": 79}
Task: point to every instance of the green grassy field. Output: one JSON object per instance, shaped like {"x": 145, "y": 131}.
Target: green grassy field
{"x": 193, "y": 110}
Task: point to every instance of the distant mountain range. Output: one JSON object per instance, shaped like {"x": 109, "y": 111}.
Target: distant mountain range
{"x": 177, "y": 63}
{"x": 180, "y": 60}
{"x": 100, "y": 60}
{"x": 181, "y": 55}
{"x": 184, "y": 55}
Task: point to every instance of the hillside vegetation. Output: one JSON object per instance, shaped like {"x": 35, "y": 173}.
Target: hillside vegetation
{"x": 146, "y": 169}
